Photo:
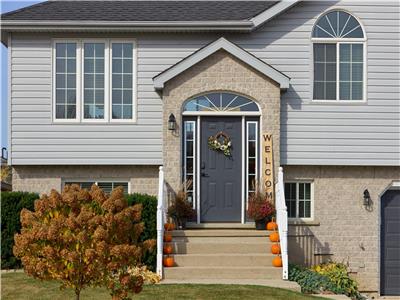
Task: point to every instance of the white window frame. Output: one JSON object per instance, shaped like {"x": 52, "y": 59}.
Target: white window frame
{"x": 339, "y": 41}
{"x": 107, "y": 81}
{"x": 247, "y": 157}
{"x": 134, "y": 80}
{"x": 297, "y": 182}
{"x": 78, "y": 81}
{"x": 96, "y": 181}
{"x": 194, "y": 174}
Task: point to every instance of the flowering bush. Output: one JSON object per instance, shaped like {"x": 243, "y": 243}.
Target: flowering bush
{"x": 129, "y": 279}
{"x": 259, "y": 207}
{"x": 81, "y": 238}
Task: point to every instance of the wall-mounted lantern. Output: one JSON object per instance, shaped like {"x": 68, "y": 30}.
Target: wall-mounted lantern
{"x": 367, "y": 199}
{"x": 171, "y": 122}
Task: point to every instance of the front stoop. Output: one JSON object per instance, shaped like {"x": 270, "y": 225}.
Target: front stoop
{"x": 226, "y": 256}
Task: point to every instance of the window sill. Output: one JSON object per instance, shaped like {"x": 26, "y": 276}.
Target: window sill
{"x": 303, "y": 223}
{"x": 337, "y": 102}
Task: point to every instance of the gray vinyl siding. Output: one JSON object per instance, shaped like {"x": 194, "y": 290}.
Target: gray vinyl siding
{"x": 311, "y": 134}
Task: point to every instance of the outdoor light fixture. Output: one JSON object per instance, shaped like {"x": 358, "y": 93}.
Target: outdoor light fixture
{"x": 171, "y": 122}
{"x": 367, "y": 198}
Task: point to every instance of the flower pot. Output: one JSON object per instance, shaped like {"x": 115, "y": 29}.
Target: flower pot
{"x": 260, "y": 224}
{"x": 182, "y": 223}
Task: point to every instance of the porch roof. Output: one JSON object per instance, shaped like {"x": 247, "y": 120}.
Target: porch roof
{"x": 221, "y": 44}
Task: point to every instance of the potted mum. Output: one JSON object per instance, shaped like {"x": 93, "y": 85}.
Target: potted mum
{"x": 260, "y": 209}
{"x": 181, "y": 209}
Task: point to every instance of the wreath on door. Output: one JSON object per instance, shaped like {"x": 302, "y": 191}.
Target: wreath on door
{"x": 220, "y": 142}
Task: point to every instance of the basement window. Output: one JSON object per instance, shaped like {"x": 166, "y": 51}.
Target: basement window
{"x": 106, "y": 186}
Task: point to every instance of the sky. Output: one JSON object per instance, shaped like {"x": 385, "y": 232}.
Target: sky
{"x": 6, "y": 6}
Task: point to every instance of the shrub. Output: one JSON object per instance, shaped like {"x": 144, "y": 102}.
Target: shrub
{"x": 310, "y": 282}
{"x": 11, "y": 205}
{"x": 82, "y": 238}
{"x": 149, "y": 218}
{"x": 339, "y": 276}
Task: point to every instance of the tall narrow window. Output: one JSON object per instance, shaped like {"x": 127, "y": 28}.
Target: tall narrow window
{"x": 298, "y": 200}
{"x": 65, "y": 81}
{"x": 252, "y": 156}
{"x": 339, "y": 69}
{"x": 93, "y": 85}
{"x": 122, "y": 81}
{"x": 189, "y": 163}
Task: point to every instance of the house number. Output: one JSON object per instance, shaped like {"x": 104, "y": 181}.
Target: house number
{"x": 267, "y": 166}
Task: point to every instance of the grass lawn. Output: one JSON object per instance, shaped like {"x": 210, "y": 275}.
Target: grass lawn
{"x": 17, "y": 286}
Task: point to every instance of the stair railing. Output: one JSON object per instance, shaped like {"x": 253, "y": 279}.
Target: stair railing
{"x": 282, "y": 221}
{"x": 161, "y": 219}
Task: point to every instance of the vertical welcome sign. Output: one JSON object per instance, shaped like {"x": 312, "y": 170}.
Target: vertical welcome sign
{"x": 267, "y": 166}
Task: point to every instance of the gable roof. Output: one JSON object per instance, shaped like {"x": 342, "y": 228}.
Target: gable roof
{"x": 141, "y": 15}
{"x": 222, "y": 43}
{"x": 140, "y": 11}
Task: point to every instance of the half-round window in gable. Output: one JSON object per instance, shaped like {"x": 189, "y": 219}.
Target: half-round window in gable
{"x": 337, "y": 24}
{"x": 220, "y": 103}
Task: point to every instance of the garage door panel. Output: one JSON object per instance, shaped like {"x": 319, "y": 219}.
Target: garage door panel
{"x": 390, "y": 243}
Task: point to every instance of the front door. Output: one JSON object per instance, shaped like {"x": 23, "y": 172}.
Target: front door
{"x": 220, "y": 175}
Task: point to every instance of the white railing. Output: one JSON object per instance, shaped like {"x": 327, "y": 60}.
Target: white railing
{"x": 282, "y": 221}
{"x": 161, "y": 219}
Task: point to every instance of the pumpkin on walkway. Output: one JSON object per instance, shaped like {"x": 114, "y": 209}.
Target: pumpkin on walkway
{"x": 275, "y": 249}
{"x": 169, "y": 261}
{"x": 277, "y": 262}
{"x": 274, "y": 237}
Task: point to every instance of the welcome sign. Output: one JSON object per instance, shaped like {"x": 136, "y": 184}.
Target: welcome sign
{"x": 267, "y": 166}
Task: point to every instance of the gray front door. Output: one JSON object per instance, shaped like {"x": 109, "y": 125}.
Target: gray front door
{"x": 220, "y": 175}
{"x": 390, "y": 243}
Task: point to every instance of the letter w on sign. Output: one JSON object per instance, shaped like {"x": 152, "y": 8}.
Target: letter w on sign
{"x": 267, "y": 166}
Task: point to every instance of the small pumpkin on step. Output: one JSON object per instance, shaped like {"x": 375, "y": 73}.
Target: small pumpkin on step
{"x": 168, "y": 249}
{"x": 274, "y": 237}
{"x": 167, "y": 237}
{"x": 272, "y": 225}
{"x": 276, "y": 249}
{"x": 277, "y": 262}
{"x": 169, "y": 262}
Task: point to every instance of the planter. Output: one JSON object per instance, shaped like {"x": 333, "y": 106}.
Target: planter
{"x": 260, "y": 224}
{"x": 180, "y": 223}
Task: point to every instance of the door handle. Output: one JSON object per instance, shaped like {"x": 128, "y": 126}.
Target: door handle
{"x": 204, "y": 174}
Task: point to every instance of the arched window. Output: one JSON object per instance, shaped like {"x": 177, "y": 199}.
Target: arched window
{"x": 339, "y": 69}
{"x": 216, "y": 103}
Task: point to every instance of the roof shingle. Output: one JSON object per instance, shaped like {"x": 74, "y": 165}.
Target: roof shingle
{"x": 140, "y": 11}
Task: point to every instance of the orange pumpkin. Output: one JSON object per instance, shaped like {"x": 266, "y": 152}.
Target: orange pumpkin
{"x": 275, "y": 249}
{"x": 274, "y": 237}
{"x": 169, "y": 226}
{"x": 277, "y": 262}
{"x": 272, "y": 225}
{"x": 167, "y": 237}
{"x": 169, "y": 261}
{"x": 168, "y": 249}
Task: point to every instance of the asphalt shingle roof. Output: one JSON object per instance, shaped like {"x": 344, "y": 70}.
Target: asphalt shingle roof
{"x": 136, "y": 11}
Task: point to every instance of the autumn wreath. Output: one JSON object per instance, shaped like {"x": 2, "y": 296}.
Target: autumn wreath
{"x": 220, "y": 142}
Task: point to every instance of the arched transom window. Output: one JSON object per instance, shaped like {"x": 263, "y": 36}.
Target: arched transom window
{"x": 338, "y": 58}
{"x": 220, "y": 103}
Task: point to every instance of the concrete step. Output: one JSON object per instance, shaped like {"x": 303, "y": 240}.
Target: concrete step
{"x": 220, "y": 226}
{"x": 192, "y": 273}
{"x": 226, "y": 260}
{"x": 226, "y": 239}
{"x": 213, "y": 247}
{"x": 220, "y": 233}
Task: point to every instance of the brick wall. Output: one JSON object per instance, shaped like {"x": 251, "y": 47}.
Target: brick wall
{"x": 41, "y": 179}
{"x": 343, "y": 230}
{"x": 219, "y": 72}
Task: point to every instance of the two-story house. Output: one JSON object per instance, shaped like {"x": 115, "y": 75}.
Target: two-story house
{"x": 106, "y": 92}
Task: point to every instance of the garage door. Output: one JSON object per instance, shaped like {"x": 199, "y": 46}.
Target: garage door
{"x": 390, "y": 243}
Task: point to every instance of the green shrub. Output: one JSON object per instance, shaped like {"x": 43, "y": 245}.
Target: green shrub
{"x": 310, "y": 282}
{"x": 149, "y": 217}
{"x": 11, "y": 205}
{"x": 339, "y": 276}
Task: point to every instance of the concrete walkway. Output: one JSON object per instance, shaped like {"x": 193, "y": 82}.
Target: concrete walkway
{"x": 289, "y": 285}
